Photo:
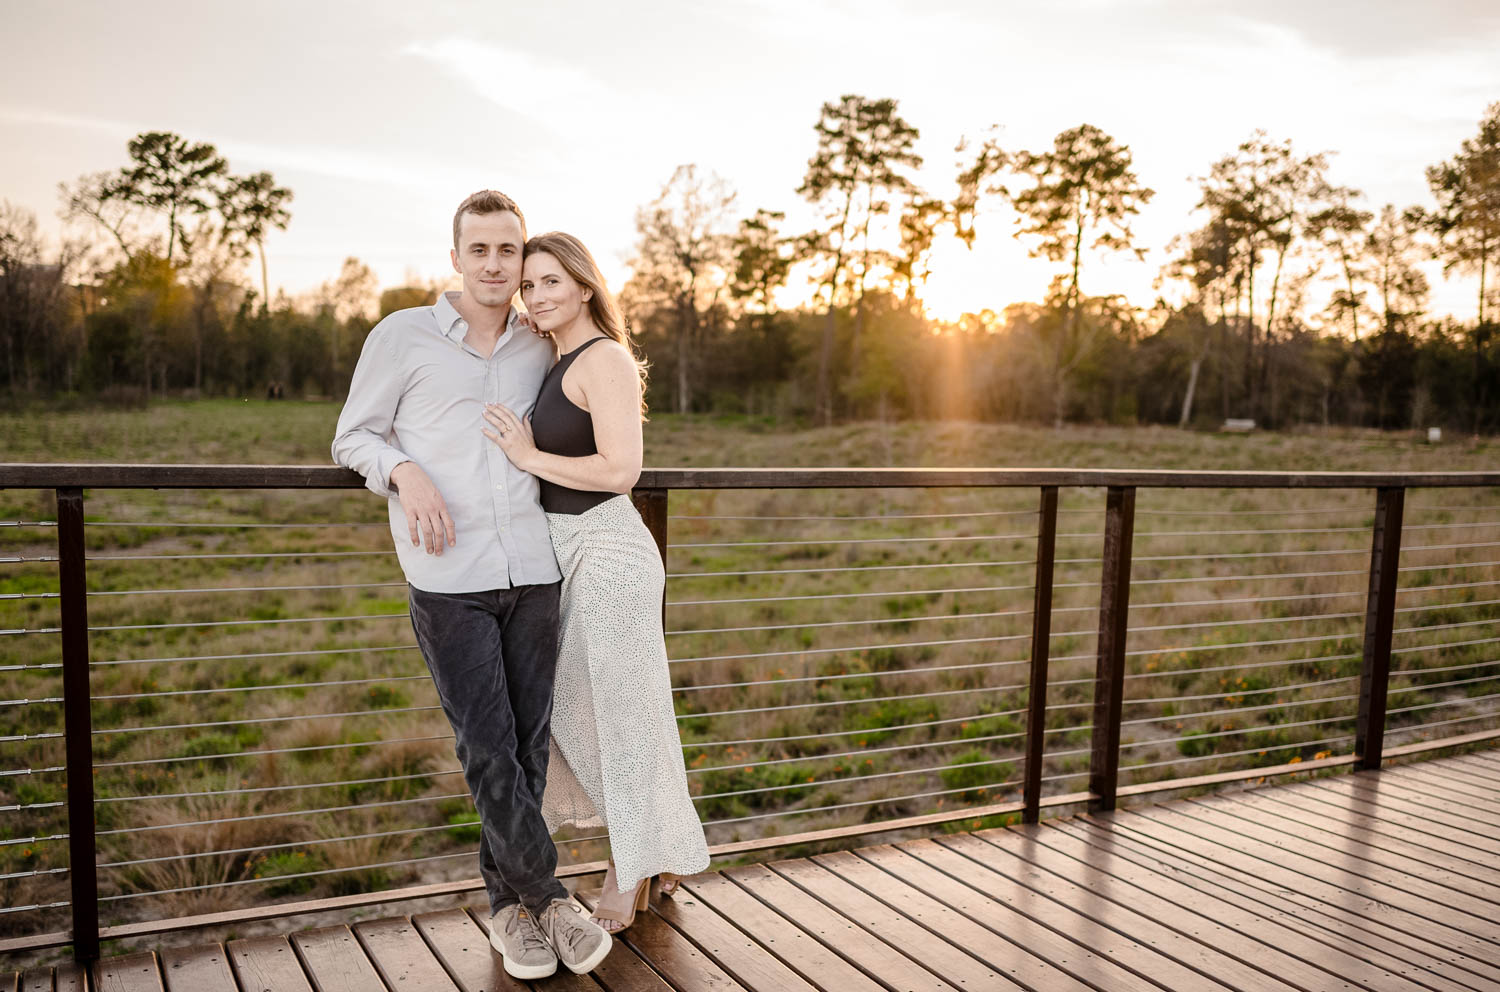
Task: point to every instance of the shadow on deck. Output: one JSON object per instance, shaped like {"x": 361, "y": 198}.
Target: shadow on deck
{"x": 1387, "y": 880}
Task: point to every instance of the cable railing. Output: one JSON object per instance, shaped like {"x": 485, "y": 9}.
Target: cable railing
{"x": 211, "y": 694}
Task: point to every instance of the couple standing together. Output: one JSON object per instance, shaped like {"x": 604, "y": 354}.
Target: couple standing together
{"x": 535, "y": 588}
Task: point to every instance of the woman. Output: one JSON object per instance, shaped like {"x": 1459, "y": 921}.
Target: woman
{"x": 616, "y": 758}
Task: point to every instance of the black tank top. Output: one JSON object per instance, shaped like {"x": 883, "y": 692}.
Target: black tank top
{"x": 561, "y": 427}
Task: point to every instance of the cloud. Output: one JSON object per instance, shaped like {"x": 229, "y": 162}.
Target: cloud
{"x": 558, "y": 96}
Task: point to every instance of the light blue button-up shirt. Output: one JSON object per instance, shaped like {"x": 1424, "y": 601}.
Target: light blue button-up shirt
{"x": 418, "y": 395}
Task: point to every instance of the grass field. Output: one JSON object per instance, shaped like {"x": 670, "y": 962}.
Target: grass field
{"x": 838, "y": 656}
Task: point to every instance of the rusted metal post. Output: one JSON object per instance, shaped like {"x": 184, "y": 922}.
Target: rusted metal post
{"x": 651, "y": 504}
{"x": 1041, "y": 636}
{"x": 77, "y": 724}
{"x": 1380, "y": 613}
{"x": 1109, "y": 676}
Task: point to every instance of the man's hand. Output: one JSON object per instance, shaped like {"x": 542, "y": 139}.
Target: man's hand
{"x": 523, "y": 319}
{"x": 423, "y": 506}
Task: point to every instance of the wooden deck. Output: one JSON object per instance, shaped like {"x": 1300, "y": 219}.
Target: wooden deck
{"x": 1386, "y": 880}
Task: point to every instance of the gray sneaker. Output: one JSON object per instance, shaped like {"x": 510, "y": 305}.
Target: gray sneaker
{"x": 525, "y": 951}
{"x": 579, "y": 942}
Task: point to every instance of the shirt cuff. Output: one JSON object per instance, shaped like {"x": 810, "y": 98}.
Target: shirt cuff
{"x": 379, "y": 481}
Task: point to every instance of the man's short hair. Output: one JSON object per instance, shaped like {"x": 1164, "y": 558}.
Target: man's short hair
{"x": 486, "y": 201}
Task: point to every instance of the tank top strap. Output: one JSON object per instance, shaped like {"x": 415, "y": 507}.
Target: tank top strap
{"x": 567, "y": 359}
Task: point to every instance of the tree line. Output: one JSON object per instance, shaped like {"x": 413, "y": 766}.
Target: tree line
{"x": 1285, "y": 301}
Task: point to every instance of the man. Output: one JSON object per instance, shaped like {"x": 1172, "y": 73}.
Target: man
{"x": 483, "y": 582}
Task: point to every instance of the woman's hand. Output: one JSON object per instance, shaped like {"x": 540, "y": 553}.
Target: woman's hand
{"x": 511, "y": 433}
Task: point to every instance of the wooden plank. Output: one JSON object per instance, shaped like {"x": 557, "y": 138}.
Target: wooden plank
{"x": 1491, "y": 757}
{"x": 1371, "y": 939}
{"x": 1408, "y": 823}
{"x": 1412, "y": 858}
{"x": 1435, "y": 851}
{"x": 1029, "y": 953}
{"x": 1473, "y": 768}
{"x": 1329, "y": 869}
{"x": 816, "y": 964}
{"x": 71, "y": 977}
{"x": 892, "y": 928}
{"x": 622, "y": 971}
{"x": 204, "y": 968}
{"x": 1423, "y": 801}
{"x": 1479, "y": 795}
{"x": 667, "y": 952}
{"x": 1297, "y": 874}
{"x": 35, "y": 980}
{"x": 334, "y": 960}
{"x": 128, "y": 973}
{"x": 1143, "y": 915}
{"x": 843, "y": 936}
{"x": 1081, "y": 917}
{"x": 11, "y": 980}
{"x": 462, "y": 946}
{"x": 266, "y": 964}
{"x": 1356, "y": 864}
{"x": 1288, "y": 948}
{"x": 401, "y": 956}
{"x": 746, "y": 961}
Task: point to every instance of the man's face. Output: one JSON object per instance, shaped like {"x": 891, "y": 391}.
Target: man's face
{"x": 488, "y": 257}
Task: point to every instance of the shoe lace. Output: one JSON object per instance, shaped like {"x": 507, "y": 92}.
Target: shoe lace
{"x": 531, "y": 937}
{"x": 562, "y": 921}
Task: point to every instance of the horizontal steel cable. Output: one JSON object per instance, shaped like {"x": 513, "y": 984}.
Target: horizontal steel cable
{"x": 46, "y": 838}
{"x": 246, "y": 623}
{"x": 1220, "y": 714}
{"x": 866, "y": 731}
{"x": 282, "y": 878}
{"x": 311, "y": 842}
{"x": 1445, "y": 702}
{"x": 1446, "y": 644}
{"x": 1416, "y": 727}
{"x": 256, "y": 654}
{"x": 1279, "y": 663}
{"x": 21, "y": 807}
{"x": 853, "y": 675}
{"x": 857, "y": 702}
{"x": 1243, "y": 623}
{"x": 774, "y": 518}
{"x": 54, "y": 769}
{"x": 33, "y": 873}
{"x": 18, "y": 738}
{"x": 814, "y": 542}
{"x": 276, "y": 788}
{"x": 274, "y": 816}
{"x": 877, "y": 568}
{"x": 239, "y": 556}
{"x": 266, "y": 688}
{"x": 230, "y": 525}
{"x": 262, "y": 719}
{"x": 209, "y": 589}
{"x": 270, "y": 750}
{"x": 34, "y": 907}
{"x": 800, "y": 759}
{"x": 32, "y": 702}
{"x": 1444, "y": 685}
{"x": 1237, "y": 754}
{"x": 864, "y": 802}
{"x": 1445, "y": 668}
{"x": 936, "y": 769}
{"x": 852, "y": 623}
{"x": 1240, "y": 730}
{"x": 1446, "y": 626}
{"x": 1143, "y": 700}
{"x": 855, "y": 647}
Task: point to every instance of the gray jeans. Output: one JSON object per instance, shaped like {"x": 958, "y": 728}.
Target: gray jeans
{"x": 493, "y": 656}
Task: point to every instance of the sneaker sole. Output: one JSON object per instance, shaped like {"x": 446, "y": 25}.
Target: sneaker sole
{"x": 591, "y": 962}
{"x": 521, "y": 970}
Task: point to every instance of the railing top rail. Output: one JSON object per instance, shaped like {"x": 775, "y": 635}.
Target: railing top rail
{"x": 50, "y": 475}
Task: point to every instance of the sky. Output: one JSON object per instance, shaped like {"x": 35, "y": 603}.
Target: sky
{"x": 381, "y": 116}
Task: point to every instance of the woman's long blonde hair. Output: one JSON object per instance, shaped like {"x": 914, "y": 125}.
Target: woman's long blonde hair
{"x": 578, "y": 263}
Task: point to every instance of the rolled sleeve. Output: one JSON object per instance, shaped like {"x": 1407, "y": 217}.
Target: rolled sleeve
{"x": 362, "y": 440}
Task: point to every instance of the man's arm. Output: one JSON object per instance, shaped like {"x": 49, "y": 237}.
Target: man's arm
{"x": 359, "y": 441}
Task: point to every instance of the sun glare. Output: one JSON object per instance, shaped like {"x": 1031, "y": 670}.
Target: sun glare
{"x": 991, "y": 276}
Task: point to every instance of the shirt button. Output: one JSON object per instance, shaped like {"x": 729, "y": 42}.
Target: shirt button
{"x": 500, "y": 488}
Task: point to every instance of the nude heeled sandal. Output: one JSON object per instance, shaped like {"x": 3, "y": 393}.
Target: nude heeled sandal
{"x": 619, "y": 907}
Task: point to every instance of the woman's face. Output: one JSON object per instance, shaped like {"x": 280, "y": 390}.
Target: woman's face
{"x": 553, "y": 298}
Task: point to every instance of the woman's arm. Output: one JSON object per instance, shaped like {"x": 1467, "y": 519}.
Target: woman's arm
{"x": 611, "y": 389}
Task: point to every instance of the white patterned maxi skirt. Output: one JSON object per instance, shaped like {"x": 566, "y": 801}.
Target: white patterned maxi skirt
{"x": 616, "y": 757}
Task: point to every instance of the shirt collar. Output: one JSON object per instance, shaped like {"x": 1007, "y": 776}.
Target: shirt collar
{"x": 453, "y": 326}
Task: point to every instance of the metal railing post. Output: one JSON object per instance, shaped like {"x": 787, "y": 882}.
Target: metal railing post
{"x": 1109, "y": 676}
{"x": 1041, "y": 636}
{"x": 651, "y": 504}
{"x": 1380, "y": 612}
{"x": 77, "y": 724}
